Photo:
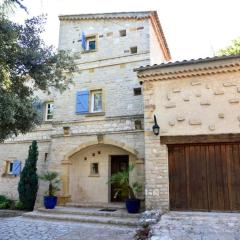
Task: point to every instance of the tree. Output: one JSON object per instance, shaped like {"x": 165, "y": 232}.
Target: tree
{"x": 232, "y": 49}
{"x": 27, "y": 65}
{"x": 28, "y": 184}
{"x": 10, "y": 4}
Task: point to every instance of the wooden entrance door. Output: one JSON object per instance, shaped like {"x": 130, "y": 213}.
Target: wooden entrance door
{"x": 118, "y": 163}
{"x": 204, "y": 176}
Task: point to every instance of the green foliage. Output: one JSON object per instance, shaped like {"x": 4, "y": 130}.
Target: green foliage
{"x": 3, "y": 198}
{"x": 5, "y": 202}
{"x": 4, "y": 205}
{"x": 27, "y": 65}
{"x": 125, "y": 189}
{"x": 28, "y": 184}
{"x": 19, "y": 205}
{"x": 10, "y": 5}
{"x": 52, "y": 178}
{"x": 233, "y": 49}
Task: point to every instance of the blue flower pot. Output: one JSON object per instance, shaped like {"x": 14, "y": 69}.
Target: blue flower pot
{"x": 133, "y": 205}
{"x": 50, "y": 202}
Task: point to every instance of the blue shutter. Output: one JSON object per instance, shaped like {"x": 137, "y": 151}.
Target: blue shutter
{"x": 82, "y": 102}
{"x": 16, "y": 168}
{"x": 83, "y": 41}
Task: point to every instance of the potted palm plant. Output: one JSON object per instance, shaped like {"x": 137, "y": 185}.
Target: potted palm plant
{"x": 50, "y": 201}
{"x": 127, "y": 190}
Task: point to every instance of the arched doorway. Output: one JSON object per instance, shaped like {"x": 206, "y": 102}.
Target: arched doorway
{"x": 91, "y": 168}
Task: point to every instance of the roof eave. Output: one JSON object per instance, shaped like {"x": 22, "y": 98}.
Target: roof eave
{"x": 186, "y": 62}
{"x": 160, "y": 35}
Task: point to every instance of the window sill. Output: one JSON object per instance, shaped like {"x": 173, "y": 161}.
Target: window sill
{"x": 94, "y": 175}
{"x": 88, "y": 51}
{"x": 95, "y": 114}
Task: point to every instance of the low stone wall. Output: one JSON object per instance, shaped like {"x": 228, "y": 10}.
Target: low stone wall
{"x": 11, "y": 213}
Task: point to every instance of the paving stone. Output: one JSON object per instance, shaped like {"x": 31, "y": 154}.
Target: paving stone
{"x": 19, "y": 228}
{"x": 197, "y": 226}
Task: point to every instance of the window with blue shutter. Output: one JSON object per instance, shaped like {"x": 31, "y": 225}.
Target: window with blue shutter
{"x": 16, "y": 167}
{"x": 82, "y": 102}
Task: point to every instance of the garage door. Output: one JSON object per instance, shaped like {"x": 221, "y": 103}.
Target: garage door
{"x": 204, "y": 176}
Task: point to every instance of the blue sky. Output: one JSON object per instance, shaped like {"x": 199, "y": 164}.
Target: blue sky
{"x": 193, "y": 28}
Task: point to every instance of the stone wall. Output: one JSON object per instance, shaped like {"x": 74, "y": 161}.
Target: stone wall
{"x": 109, "y": 68}
{"x": 188, "y": 99}
{"x": 86, "y": 187}
{"x": 117, "y": 83}
{"x": 64, "y": 148}
{"x": 156, "y": 54}
{"x": 156, "y": 164}
{"x": 18, "y": 151}
{"x": 204, "y": 102}
{"x": 109, "y": 43}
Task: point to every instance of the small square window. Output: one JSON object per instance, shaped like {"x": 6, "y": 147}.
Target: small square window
{"x": 109, "y": 34}
{"x": 90, "y": 43}
{"x": 45, "y": 157}
{"x": 123, "y": 33}
{"x": 96, "y": 101}
{"x": 133, "y": 50}
{"x": 137, "y": 91}
{"x": 10, "y": 167}
{"x": 138, "y": 124}
{"x": 49, "y": 111}
{"x": 94, "y": 169}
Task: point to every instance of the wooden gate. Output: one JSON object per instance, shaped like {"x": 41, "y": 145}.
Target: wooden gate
{"x": 204, "y": 176}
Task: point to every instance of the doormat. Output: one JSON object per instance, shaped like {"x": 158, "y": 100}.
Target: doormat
{"x": 108, "y": 210}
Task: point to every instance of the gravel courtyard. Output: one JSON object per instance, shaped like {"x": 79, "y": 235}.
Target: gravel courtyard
{"x": 19, "y": 228}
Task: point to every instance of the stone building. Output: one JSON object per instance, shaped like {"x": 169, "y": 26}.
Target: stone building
{"x": 194, "y": 164}
{"x": 96, "y": 127}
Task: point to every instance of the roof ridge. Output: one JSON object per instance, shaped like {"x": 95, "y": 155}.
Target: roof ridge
{"x": 186, "y": 62}
{"x": 106, "y": 13}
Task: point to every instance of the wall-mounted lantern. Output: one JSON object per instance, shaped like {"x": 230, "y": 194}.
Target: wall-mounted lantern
{"x": 156, "y": 128}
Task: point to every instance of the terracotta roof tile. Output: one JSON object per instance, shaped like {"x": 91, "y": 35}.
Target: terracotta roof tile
{"x": 186, "y": 62}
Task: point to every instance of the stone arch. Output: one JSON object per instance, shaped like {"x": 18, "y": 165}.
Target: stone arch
{"x": 96, "y": 142}
{"x": 67, "y": 162}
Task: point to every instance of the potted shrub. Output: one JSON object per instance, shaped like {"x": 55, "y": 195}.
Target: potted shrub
{"x": 127, "y": 190}
{"x": 50, "y": 201}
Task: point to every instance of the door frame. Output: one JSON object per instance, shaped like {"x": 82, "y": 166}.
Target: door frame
{"x": 110, "y": 173}
{"x": 201, "y": 138}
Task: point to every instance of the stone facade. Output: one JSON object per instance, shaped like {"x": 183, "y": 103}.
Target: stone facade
{"x": 199, "y": 97}
{"x": 112, "y": 131}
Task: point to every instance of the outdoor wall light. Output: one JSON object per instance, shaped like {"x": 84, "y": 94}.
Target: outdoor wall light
{"x": 156, "y": 128}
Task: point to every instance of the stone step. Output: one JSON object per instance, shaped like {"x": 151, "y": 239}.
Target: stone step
{"x": 121, "y": 213}
{"x": 130, "y": 222}
{"x": 96, "y": 205}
